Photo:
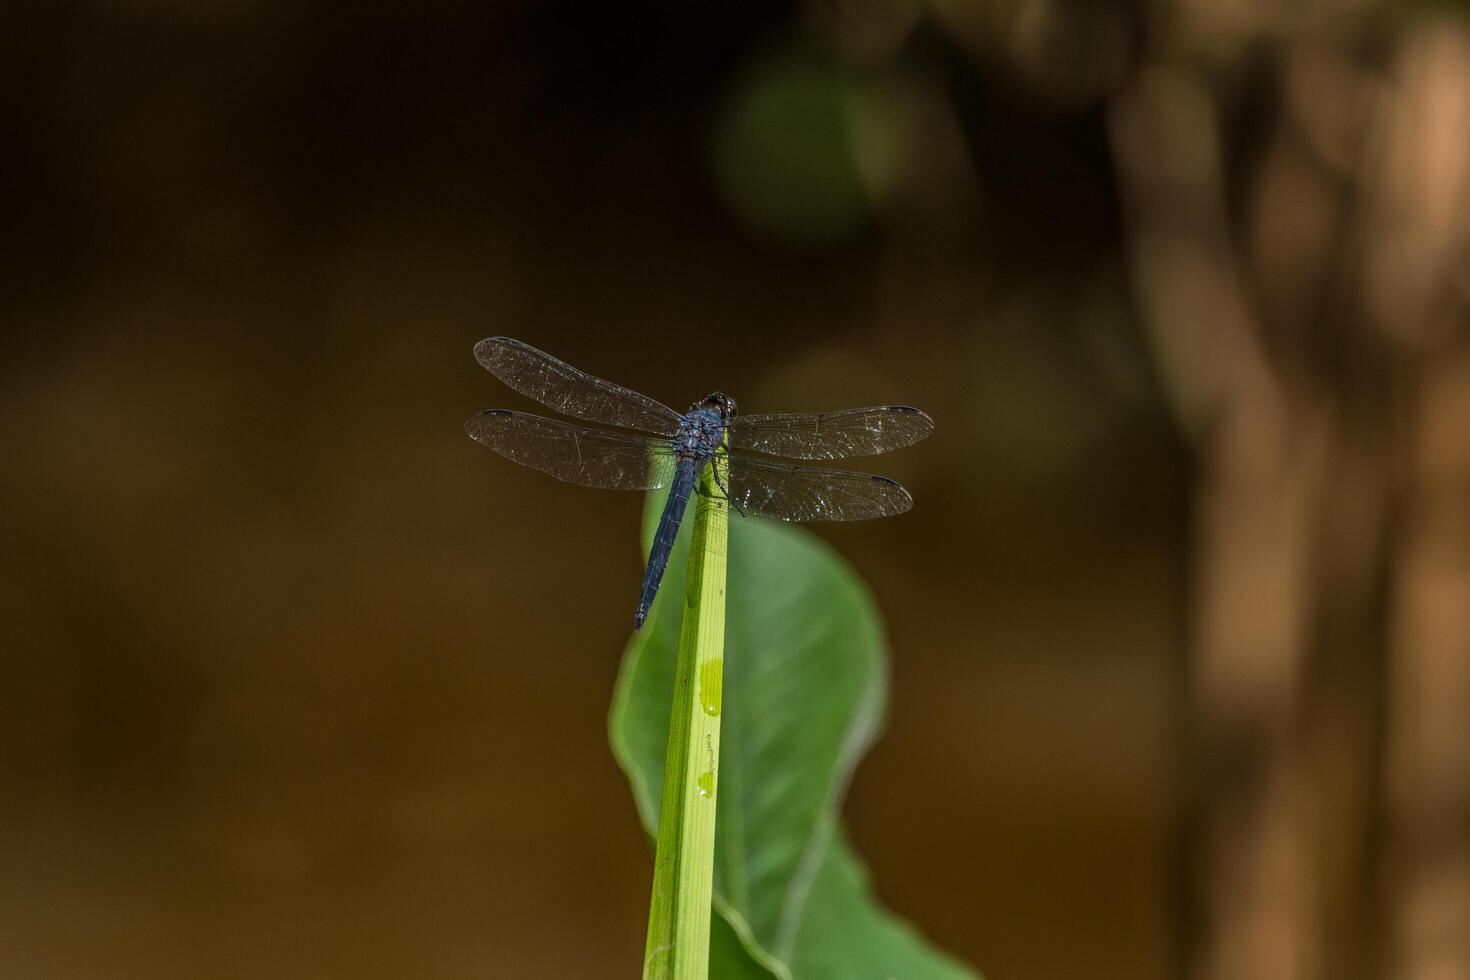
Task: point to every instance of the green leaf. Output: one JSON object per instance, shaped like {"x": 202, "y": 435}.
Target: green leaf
{"x": 846, "y": 933}
{"x": 805, "y": 681}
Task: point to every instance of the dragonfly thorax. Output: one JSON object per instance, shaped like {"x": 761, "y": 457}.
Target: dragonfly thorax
{"x": 702, "y": 428}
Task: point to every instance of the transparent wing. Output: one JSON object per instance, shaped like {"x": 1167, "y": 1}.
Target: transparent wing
{"x": 574, "y": 453}
{"x": 788, "y": 492}
{"x": 563, "y": 388}
{"x": 832, "y": 435}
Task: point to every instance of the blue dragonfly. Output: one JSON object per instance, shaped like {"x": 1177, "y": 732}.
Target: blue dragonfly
{"x": 654, "y": 447}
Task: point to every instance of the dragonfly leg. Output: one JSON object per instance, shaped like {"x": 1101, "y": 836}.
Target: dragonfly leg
{"x": 723, "y": 489}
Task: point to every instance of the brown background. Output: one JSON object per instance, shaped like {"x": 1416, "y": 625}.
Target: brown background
{"x": 301, "y": 683}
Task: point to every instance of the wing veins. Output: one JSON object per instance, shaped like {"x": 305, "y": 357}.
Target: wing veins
{"x": 789, "y": 492}
{"x": 832, "y": 435}
{"x": 576, "y": 454}
{"x": 570, "y": 391}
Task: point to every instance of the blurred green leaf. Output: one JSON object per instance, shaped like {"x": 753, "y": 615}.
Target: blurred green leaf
{"x": 804, "y": 691}
{"x": 784, "y": 157}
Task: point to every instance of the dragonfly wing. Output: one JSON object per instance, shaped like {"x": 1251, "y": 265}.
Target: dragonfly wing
{"x": 563, "y": 388}
{"x": 574, "y": 453}
{"x": 788, "y": 492}
{"x": 832, "y": 435}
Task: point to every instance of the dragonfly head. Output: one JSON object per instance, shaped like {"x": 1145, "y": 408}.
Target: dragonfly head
{"x": 717, "y": 402}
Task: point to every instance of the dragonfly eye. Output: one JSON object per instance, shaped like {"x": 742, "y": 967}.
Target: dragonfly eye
{"x": 719, "y": 402}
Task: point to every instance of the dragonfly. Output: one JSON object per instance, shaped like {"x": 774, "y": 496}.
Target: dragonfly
{"x": 642, "y": 444}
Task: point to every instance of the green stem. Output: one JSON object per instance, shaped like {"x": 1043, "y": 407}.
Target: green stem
{"x": 683, "y": 869}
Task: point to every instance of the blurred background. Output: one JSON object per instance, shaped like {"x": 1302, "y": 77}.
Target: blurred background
{"x": 299, "y": 682}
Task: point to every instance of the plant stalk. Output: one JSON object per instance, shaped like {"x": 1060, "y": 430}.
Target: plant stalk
{"x": 683, "y": 869}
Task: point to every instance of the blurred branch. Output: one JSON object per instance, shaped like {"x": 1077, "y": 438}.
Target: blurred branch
{"x": 1264, "y": 445}
{"x": 1416, "y": 252}
{"x": 1282, "y": 488}
{"x": 1280, "y": 350}
{"x": 1429, "y": 691}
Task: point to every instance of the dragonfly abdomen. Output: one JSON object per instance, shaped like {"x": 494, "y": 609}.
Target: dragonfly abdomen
{"x": 664, "y": 537}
